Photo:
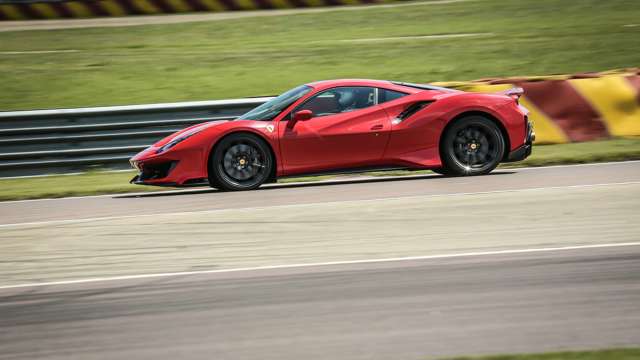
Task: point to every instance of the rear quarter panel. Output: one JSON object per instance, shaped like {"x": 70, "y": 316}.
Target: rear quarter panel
{"x": 415, "y": 141}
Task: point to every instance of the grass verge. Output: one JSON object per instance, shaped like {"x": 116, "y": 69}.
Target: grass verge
{"x": 95, "y": 183}
{"x": 611, "y": 354}
{"x": 263, "y": 56}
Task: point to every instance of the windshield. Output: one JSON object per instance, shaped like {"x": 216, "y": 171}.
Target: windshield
{"x": 273, "y": 107}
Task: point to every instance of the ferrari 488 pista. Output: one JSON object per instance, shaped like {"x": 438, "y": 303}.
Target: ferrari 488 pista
{"x": 345, "y": 126}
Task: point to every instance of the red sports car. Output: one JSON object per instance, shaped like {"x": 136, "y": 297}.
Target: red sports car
{"x": 345, "y": 126}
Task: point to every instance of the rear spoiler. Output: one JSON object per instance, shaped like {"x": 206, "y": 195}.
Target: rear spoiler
{"x": 515, "y": 93}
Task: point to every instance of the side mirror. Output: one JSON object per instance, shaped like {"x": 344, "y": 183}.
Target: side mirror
{"x": 302, "y": 115}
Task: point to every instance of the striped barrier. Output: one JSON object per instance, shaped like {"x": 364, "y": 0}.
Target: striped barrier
{"x": 53, "y": 9}
{"x": 581, "y": 107}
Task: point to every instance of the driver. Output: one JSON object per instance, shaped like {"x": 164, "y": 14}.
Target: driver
{"x": 353, "y": 99}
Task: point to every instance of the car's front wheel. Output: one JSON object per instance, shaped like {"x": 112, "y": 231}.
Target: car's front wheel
{"x": 240, "y": 162}
{"x": 473, "y": 145}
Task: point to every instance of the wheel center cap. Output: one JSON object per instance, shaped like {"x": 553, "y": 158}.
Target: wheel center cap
{"x": 243, "y": 161}
{"x": 473, "y": 146}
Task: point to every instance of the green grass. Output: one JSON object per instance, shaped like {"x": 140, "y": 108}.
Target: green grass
{"x": 91, "y": 183}
{"x": 612, "y": 354}
{"x": 94, "y": 183}
{"x": 266, "y": 55}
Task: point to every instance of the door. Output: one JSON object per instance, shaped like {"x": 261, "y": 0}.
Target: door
{"x": 348, "y": 129}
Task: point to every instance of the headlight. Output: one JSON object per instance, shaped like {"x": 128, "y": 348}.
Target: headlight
{"x": 175, "y": 141}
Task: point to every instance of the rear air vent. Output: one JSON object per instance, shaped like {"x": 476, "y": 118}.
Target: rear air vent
{"x": 412, "y": 109}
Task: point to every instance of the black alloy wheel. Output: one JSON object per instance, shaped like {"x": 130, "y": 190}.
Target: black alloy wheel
{"x": 473, "y": 145}
{"x": 240, "y": 162}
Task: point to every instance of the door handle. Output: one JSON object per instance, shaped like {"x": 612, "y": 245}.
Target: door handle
{"x": 377, "y": 127}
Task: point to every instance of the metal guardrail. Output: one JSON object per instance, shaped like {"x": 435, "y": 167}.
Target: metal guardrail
{"x": 71, "y": 140}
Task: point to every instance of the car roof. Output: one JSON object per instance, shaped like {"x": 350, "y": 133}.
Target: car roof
{"x": 349, "y": 82}
{"x": 405, "y": 87}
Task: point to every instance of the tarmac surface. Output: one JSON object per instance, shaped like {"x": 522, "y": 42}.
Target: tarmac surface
{"x": 525, "y": 260}
{"x": 400, "y": 310}
{"x": 202, "y": 199}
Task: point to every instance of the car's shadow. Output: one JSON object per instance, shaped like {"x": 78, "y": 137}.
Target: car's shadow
{"x": 364, "y": 180}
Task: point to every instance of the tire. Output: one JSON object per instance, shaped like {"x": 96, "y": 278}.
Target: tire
{"x": 240, "y": 162}
{"x": 473, "y": 145}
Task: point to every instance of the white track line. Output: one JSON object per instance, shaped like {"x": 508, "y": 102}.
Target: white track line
{"x": 213, "y": 211}
{"x": 418, "y": 37}
{"x": 572, "y": 165}
{"x": 329, "y": 263}
{"x": 355, "y": 178}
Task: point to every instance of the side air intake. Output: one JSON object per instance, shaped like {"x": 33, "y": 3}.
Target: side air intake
{"x": 410, "y": 110}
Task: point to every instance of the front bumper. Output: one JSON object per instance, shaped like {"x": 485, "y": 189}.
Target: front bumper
{"x": 523, "y": 151}
{"x": 153, "y": 173}
{"x": 137, "y": 181}
{"x": 183, "y": 167}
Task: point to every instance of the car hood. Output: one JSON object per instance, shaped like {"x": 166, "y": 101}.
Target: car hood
{"x": 189, "y": 130}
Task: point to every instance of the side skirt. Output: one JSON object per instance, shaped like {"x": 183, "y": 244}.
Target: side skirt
{"x": 353, "y": 171}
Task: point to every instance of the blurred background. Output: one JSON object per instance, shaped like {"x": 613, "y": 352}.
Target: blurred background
{"x": 156, "y": 66}
{"x": 576, "y": 61}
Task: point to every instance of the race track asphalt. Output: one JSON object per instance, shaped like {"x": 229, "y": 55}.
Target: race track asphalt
{"x": 401, "y": 310}
{"x": 584, "y": 296}
{"x": 318, "y": 192}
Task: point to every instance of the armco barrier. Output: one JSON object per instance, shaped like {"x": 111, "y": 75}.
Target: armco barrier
{"x": 69, "y": 140}
{"x": 52, "y": 9}
{"x": 563, "y": 109}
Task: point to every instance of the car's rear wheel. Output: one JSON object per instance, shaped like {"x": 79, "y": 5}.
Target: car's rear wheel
{"x": 473, "y": 145}
{"x": 240, "y": 162}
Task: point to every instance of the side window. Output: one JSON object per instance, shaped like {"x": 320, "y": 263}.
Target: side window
{"x": 385, "y": 95}
{"x": 339, "y": 100}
